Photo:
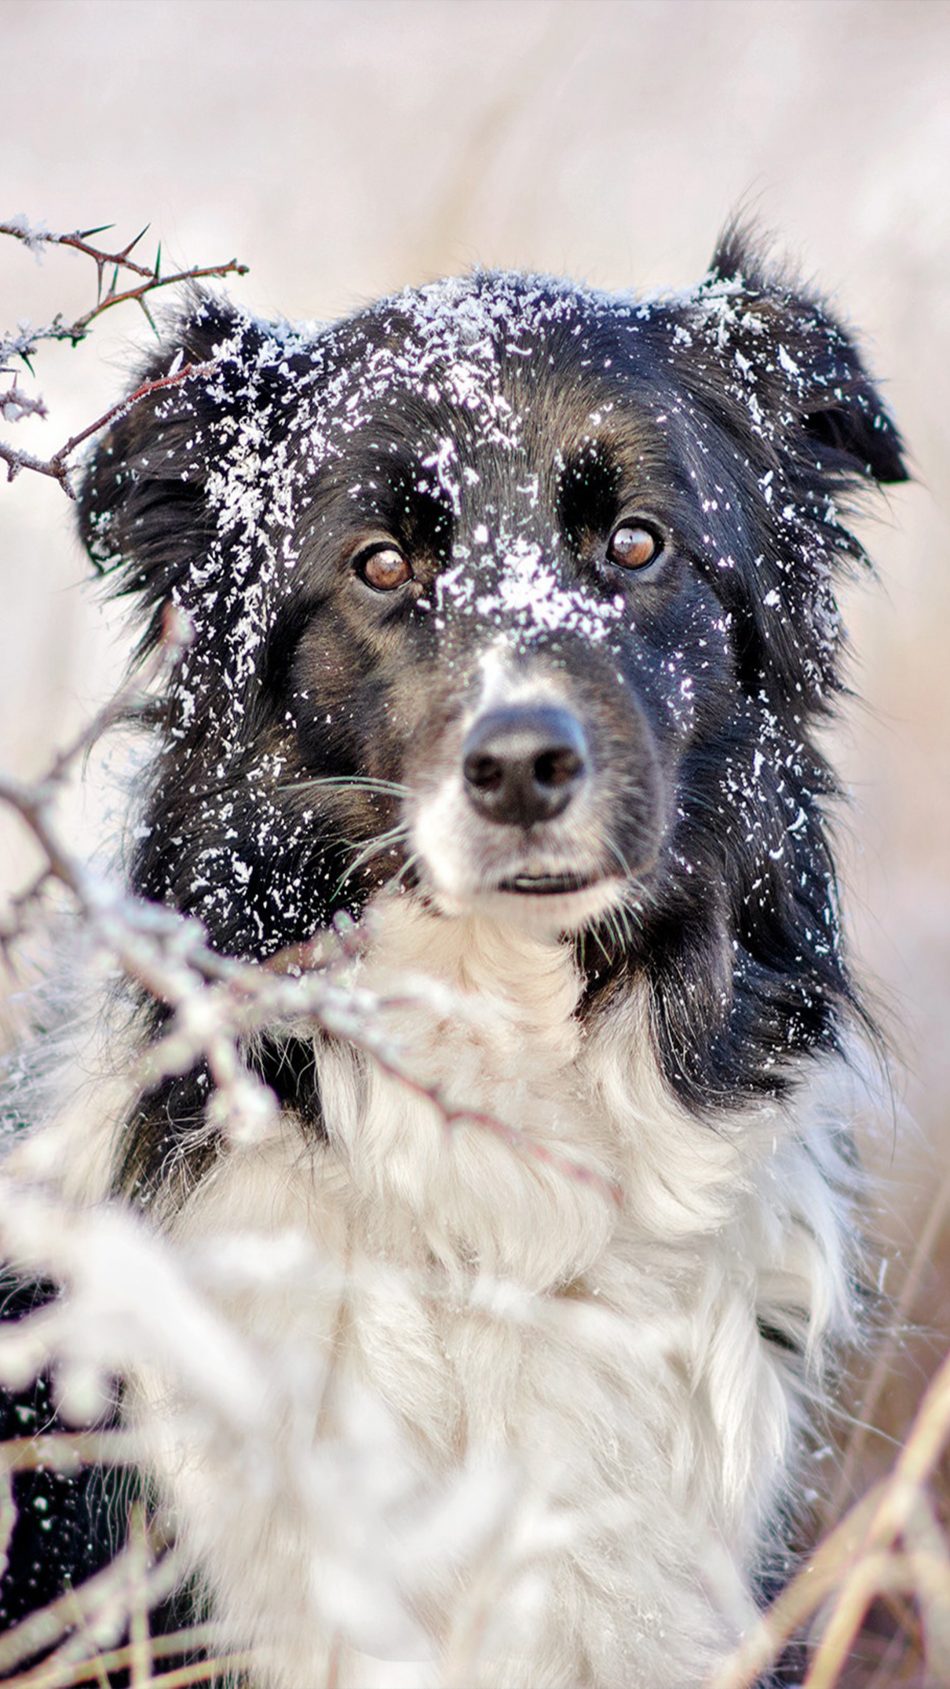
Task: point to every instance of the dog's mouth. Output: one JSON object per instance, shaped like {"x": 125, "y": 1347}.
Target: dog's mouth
{"x": 547, "y": 885}
{"x": 546, "y": 904}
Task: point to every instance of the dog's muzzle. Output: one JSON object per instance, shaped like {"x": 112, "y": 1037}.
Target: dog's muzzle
{"x": 524, "y": 765}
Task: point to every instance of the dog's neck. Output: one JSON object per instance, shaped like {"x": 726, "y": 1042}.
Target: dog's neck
{"x": 492, "y": 1157}
{"x": 525, "y": 1136}
{"x": 488, "y": 975}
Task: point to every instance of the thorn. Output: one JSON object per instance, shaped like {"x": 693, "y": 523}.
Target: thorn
{"x": 148, "y": 317}
{"x": 158, "y": 261}
{"x": 87, "y": 234}
{"x": 135, "y": 242}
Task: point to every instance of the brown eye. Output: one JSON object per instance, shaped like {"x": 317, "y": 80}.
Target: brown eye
{"x": 385, "y": 569}
{"x": 632, "y": 547}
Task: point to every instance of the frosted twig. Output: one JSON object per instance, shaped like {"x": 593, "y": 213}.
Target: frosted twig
{"x": 884, "y": 1355}
{"x": 66, "y": 1451}
{"x": 67, "y": 1675}
{"x": 856, "y": 1561}
{"x": 219, "y": 1002}
{"x": 106, "y": 298}
{"x": 58, "y": 466}
{"x": 14, "y": 404}
{"x": 76, "y": 1615}
{"x": 791, "y": 1610}
{"x": 23, "y": 344}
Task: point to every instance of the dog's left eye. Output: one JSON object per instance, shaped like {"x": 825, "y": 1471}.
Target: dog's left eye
{"x": 384, "y": 569}
{"x": 633, "y": 546}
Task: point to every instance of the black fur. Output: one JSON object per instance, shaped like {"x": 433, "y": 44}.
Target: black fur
{"x": 748, "y": 419}
{"x": 739, "y": 419}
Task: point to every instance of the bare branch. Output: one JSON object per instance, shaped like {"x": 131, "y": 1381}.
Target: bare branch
{"x": 176, "y": 1643}
{"x": 58, "y": 466}
{"x": 113, "y": 294}
{"x": 67, "y": 1451}
{"x": 78, "y": 1612}
{"x": 14, "y": 405}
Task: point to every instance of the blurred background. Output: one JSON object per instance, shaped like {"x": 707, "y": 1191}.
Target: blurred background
{"x": 344, "y": 149}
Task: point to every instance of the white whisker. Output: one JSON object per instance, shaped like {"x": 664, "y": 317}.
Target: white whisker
{"x": 349, "y": 782}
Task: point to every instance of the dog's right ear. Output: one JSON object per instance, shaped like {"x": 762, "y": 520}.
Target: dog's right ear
{"x": 803, "y": 368}
{"x": 143, "y": 511}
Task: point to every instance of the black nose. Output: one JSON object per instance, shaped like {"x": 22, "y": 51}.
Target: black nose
{"x": 523, "y": 765}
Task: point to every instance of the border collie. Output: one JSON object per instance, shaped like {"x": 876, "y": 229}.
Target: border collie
{"x": 513, "y": 610}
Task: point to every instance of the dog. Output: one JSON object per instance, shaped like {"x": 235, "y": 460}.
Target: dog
{"x": 514, "y": 621}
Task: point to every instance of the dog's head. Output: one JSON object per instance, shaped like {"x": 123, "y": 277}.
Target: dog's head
{"x": 519, "y": 598}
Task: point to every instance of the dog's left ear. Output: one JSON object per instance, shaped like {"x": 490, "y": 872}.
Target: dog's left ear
{"x": 797, "y": 368}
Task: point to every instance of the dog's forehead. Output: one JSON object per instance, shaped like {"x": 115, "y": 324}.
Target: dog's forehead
{"x": 483, "y": 321}
{"x": 494, "y": 370}
{"x": 468, "y": 362}
{"x": 491, "y": 371}
{"x": 482, "y": 344}
{"x": 476, "y": 389}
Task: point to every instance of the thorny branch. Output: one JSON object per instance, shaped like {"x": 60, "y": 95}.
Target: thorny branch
{"x": 58, "y": 466}
{"x": 26, "y": 342}
{"x": 64, "y": 1675}
{"x": 14, "y": 404}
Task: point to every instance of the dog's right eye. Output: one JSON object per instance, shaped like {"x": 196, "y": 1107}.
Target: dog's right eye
{"x": 384, "y": 569}
{"x": 633, "y": 546}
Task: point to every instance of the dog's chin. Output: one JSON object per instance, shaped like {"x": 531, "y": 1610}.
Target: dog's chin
{"x": 543, "y": 905}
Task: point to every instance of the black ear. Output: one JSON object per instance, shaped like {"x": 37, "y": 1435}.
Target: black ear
{"x": 784, "y": 411}
{"x": 811, "y": 377}
{"x": 143, "y": 511}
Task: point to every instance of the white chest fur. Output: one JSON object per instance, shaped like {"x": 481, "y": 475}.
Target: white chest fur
{"x": 558, "y": 1289}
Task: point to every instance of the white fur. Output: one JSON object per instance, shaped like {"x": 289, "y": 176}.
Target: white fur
{"x": 509, "y": 1315}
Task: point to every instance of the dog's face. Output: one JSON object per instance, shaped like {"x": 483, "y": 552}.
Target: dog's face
{"x": 503, "y": 612}
{"x": 519, "y": 599}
